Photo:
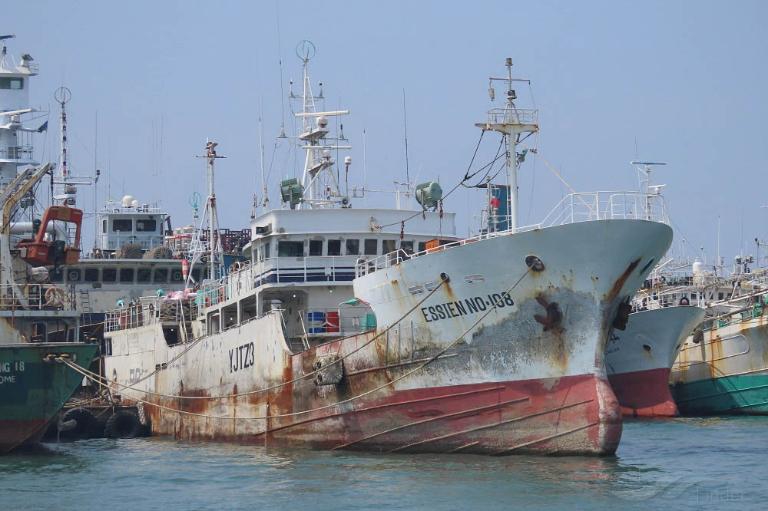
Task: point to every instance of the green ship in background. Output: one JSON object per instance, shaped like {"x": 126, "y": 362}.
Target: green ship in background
{"x": 34, "y": 387}
{"x": 722, "y": 368}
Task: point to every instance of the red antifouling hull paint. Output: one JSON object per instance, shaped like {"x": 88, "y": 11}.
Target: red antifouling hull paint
{"x": 573, "y": 415}
{"x": 644, "y": 393}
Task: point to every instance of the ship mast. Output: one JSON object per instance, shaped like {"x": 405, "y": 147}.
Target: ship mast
{"x": 515, "y": 124}
{"x": 213, "y": 224}
{"x": 319, "y": 186}
{"x": 213, "y": 247}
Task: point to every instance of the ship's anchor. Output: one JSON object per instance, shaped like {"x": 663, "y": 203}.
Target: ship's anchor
{"x": 552, "y": 321}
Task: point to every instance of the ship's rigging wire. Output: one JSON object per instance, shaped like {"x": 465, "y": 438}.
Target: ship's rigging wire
{"x": 467, "y": 176}
{"x": 460, "y": 338}
{"x": 258, "y": 391}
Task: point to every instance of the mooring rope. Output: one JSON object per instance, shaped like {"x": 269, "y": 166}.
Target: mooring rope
{"x": 282, "y": 384}
{"x": 337, "y": 403}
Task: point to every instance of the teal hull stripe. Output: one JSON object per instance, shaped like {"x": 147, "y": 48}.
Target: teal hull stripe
{"x": 745, "y": 394}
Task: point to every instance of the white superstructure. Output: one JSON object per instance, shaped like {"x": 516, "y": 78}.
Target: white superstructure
{"x": 16, "y": 148}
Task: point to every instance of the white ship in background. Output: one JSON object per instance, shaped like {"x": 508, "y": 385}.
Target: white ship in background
{"x": 494, "y": 344}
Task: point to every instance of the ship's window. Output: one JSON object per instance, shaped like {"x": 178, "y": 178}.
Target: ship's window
{"x": 353, "y": 247}
{"x": 57, "y": 275}
{"x": 387, "y": 246}
{"x": 147, "y": 225}
{"x": 176, "y": 275}
{"x": 315, "y": 247}
{"x": 267, "y": 246}
{"x": 143, "y": 275}
{"x": 719, "y": 296}
{"x": 161, "y": 275}
{"x": 290, "y": 249}
{"x": 104, "y": 226}
{"x": 109, "y": 275}
{"x": 196, "y": 274}
{"x": 12, "y": 83}
{"x": 229, "y": 316}
{"x": 171, "y": 335}
{"x": 126, "y": 274}
{"x": 73, "y": 275}
{"x": 213, "y": 322}
{"x": 122, "y": 225}
{"x": 91, "y": 275}
{"x": 407, "y": 246}
{"x": 247, "y": 308}
{"x": 334, "y": 247}
{"x": 370, "y": 246}
{"x": 422, "y": 246}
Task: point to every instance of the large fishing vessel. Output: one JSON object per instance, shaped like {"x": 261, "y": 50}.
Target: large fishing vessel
{"x": 493, "y": 344}
{"x": 722, "y": 367}
{"x": 639, "y": 359}
{"x": 38, "y": 326}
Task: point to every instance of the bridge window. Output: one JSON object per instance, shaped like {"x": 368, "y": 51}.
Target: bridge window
{"x": 334, "y": 247}
{"x": 143, "y": 275}
{"x": 109, "y": 275}
{"x": 12, "y": 83}
{"x": 407, "y": 246}
{"x": 91, "y": 275}
{"x": 315, "y": 247}
{"x": 161, "y": 276}
{"x": 126, "y": 274}
{"x": 147, "y": 225}
{"x": 370, "y": 247}
{"x": 57, "y": 275}
{"x": 422, "y": 246}
{"x": 290, "y": 249}
{"x": 104, "y": 226}
{"x": 177, "y": 276}
{"x": 388, "y": 246}
{"x": 353, "y": 247}
{"x": 122, "y": 225}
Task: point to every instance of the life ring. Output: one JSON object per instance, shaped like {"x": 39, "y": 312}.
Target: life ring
{"x": 124, "y": 424}
{"x": 54, "y": 297}
{"x": 235, "y": 267}
{"x": 684, "y": 301}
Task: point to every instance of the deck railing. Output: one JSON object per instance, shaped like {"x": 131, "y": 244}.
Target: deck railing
{"x": 574, "y": 208}
{"x": 513, "y": 115}
{"x": 34, "y": 297}
{"x": 149, "y": 310}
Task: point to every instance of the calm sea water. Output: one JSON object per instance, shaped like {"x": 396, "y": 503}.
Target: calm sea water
{"x": 720, "y": 463}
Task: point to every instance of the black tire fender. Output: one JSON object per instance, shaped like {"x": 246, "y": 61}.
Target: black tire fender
{"x": 85, "y": 424}
{"x": 124, "y": 424}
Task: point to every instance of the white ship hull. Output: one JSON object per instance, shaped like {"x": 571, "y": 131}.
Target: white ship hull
{"x": 639, "y": 358}
{"x": 511, "y": 386}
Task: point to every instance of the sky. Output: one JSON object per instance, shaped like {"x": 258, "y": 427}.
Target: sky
{"x": 681, "y": 82}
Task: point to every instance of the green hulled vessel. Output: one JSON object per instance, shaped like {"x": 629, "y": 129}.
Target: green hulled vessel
{"x": 723, "y": 369}
{"x": 34, "y": 387}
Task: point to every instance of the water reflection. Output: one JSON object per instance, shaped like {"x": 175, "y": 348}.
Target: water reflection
{"x": 679, "y": 463}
